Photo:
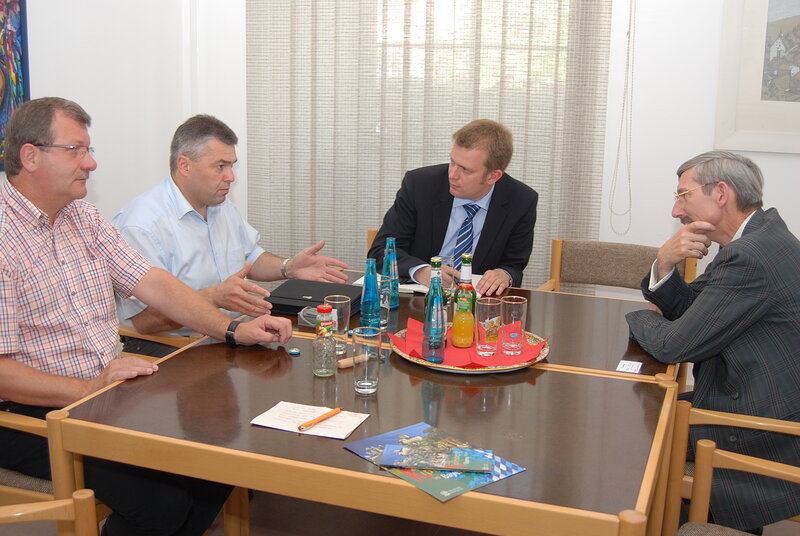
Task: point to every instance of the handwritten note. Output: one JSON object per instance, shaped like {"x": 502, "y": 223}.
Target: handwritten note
{"x": 288, "y": 416}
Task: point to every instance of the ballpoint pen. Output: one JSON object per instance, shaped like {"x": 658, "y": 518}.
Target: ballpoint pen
{"x": 312, "y": 422}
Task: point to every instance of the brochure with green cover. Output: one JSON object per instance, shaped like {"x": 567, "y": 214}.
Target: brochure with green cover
{"x": 443, "y": 485}
{"x": 443, "y": 460}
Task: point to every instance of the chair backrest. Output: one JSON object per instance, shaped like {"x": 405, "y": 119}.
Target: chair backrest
{"x": 371, "y": 234}
{"x": 80, "y": 509}
{"x": 604, "y": 263}
{"x": 679, "y": 485}
{"x": 18, "y": 487}
{"x": 708, "y": 457}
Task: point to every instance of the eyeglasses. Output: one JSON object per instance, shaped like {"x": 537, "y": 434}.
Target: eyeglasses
{"x": 76, "y": 150}
{"x": 679, "y": 196}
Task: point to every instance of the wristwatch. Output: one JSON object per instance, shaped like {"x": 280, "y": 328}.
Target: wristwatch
{"x": 229, "y": 333}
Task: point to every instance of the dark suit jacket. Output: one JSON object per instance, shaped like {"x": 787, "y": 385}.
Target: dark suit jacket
{"x": 739, "y": 322}
{"x": 418, "y": 220}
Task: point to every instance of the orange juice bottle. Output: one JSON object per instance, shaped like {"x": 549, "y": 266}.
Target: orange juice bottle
{"x": 463, "y": 319}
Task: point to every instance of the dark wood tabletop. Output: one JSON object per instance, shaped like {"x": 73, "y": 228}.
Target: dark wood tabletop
{"x": 584, "y": 439}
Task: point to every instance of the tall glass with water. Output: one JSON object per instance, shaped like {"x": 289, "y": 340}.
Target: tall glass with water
{"x": 370, "y": 297}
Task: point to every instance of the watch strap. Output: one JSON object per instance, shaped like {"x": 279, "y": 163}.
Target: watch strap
{"x": 230, "y": 333}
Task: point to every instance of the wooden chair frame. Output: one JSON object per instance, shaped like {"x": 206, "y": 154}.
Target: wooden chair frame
{"x": 708, "y": 457}
{"x": 78, "y": 509}
{"x": 679, "y": 485}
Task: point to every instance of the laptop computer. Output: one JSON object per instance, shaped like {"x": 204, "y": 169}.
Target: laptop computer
{"x": 291, "y": 296}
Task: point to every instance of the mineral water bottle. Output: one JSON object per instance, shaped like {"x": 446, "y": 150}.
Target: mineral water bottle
{"x": 323, "y": 363}
{"x": 390, "y": 273}
{"x": 434, "y": 330}
{"x": 370, "y": 298}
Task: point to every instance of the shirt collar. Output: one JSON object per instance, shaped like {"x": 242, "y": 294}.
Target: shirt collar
{"x": 26, "y": 210}
{"x": 483, "y": 202}
{"x": 740, "y": 230}
{"x": 182, "y": 206}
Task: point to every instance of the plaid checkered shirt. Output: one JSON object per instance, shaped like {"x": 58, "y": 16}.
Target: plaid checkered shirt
{"x": 57, "y": 311}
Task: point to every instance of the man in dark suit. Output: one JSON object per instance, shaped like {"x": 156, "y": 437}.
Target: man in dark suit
{"x": 471, "y": 200}
{"x": 739, "y": 323}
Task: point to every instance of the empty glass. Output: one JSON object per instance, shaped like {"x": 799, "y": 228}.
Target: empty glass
{"x": 341, "y": 320}
{"x": 487, "y": 325}
{"x": 366, "y": 359}
{"x": 513, "y": 310}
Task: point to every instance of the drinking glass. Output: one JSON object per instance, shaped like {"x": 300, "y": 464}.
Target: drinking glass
{"x": 385, "y": 298}
{"x": 366, "y": 359}
{"x": 340, "y": 304}
{"x": 513, "y": 310}
{"x": 448, "y": 287}
{"x": 487, "y": 325}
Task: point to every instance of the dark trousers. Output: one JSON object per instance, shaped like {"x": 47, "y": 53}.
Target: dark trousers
{"x": 145, "y": 502}
{"x": 143, "y": 347}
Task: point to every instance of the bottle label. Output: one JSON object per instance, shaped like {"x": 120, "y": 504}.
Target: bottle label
{"x": 325, "y": 328}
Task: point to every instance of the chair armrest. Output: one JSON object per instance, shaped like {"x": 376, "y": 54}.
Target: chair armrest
{"x": 550, "y": 284}
{"x": 162, "y": 338}
{"x": 23, "y": 423}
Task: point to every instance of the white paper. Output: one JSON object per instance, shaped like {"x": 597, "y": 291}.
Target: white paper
{"x": 629, "y": 366}
{"x": 410, "y": 288}
{"x": 289, "y": 416}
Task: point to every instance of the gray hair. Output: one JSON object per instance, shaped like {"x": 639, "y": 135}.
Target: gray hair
{"x": 735, "y": 170}
{"x": 190, "y": 138}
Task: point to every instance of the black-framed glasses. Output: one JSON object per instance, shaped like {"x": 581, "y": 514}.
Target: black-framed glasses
{"x": 77, "y": 150}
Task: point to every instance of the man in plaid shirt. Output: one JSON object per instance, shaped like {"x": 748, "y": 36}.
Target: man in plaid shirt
{"x": 60, "y": 264}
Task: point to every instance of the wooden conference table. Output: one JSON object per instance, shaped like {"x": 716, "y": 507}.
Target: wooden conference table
{"x": 593, "y": 440}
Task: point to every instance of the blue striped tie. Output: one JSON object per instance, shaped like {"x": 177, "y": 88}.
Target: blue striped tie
{"x": 464, "y": 236}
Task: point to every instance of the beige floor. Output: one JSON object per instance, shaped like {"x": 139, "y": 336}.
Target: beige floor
{"x": 272, "y": 515}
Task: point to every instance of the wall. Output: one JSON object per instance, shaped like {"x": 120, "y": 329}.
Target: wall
{"x": 142, "y": 66}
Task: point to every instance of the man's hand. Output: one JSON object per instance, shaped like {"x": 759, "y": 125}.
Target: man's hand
{"x": 122, "y": 368}
{"x": 307, "y": 264}
{"x": 265, "y": 328}
{"x": 493, "y": 282}
{"x": 449, "y": 274}
{"x": 239, "y": 295}
{"x": 690, "y": 241}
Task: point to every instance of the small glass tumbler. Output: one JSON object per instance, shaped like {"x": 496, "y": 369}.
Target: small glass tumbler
{"x": 340, "y": 304}
{"x": 513, "y": 310}
{"x": 366, "y": 359}
{"x": 487, "y": 325}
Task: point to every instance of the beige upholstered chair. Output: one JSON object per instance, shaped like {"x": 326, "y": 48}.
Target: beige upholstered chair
{"x": 80, "y": 509}
{"x": 708, "y": 457}
{"x": 371, "y": 234}
{"x": 682, "y": 474}
{"x": 604, "y": 263}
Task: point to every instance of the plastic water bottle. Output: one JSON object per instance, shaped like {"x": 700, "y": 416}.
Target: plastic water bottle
{"x": 370, "y": 298}
{"x": 390, "y": 273}
{"x": 434, "y": 329}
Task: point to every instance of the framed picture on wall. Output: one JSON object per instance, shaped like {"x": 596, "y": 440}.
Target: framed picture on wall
{"x": 14, "y": 83}
{"x": 758, "y": 103}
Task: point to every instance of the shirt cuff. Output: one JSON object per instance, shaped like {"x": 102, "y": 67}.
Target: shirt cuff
{"x": 413, "y": 270}
{"x": 655, "y": 284}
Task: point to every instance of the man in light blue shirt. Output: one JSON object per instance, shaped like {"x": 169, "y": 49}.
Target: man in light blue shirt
{"x": 187, "y": 226}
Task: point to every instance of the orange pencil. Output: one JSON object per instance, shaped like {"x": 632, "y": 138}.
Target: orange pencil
{"x": 312, "y": 422}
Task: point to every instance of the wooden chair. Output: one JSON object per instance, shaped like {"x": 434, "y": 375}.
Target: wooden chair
{"x": 604, "y": 263}
{"x": 17, "y": 487}
{"x": 371, "y": 234}
{"x": 707, "y": 458}
{"x": 80, "y": 509}
{"x": 681, "y": 473}
{"x": 162, "y": 338}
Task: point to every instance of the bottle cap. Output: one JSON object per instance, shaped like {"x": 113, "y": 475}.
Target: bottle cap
{"x": 324, "y": 308}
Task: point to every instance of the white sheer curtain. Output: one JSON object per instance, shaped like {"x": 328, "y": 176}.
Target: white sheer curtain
{"x": 345, "y": 96}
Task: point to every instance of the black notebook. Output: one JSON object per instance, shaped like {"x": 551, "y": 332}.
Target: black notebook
{"x": 294, "y": 294}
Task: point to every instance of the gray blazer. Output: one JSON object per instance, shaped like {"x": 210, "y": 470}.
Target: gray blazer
{"x": 739, "y": 323}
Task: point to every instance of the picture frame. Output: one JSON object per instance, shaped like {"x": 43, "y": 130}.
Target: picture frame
{"x": 744, "y": 121}
{"x": 14, "y": 81}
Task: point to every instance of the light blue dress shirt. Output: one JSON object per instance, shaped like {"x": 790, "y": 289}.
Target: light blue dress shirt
{"x": 163, "y": 226}
{"x": 457, "y": 215}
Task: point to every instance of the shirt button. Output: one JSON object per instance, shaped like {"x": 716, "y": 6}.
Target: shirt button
{"x": 732, "y": 438}
{"x": 735, "y": 395}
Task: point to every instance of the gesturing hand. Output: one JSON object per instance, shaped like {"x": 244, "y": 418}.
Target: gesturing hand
{"x": 308, "y": 264}
{"x": 240, "y": 295}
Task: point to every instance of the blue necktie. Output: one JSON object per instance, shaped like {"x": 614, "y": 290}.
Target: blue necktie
{"x": 464, "y": 236}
